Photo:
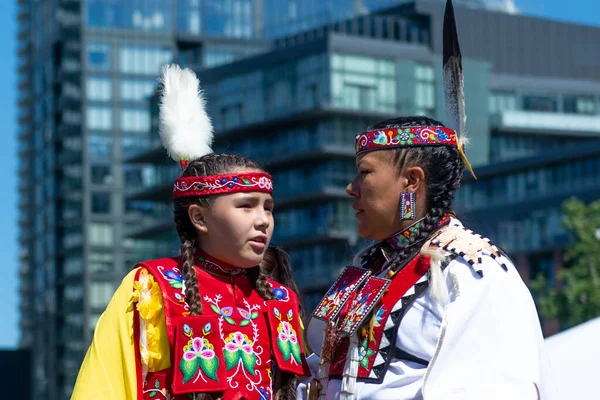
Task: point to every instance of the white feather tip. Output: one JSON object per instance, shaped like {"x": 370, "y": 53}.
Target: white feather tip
{"x": 184, "y": 126}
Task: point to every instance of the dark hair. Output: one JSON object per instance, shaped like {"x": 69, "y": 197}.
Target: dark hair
{"x": 443, "y": 169}
{"x": 277, "y": 265}
{"x": 215, "y": 164}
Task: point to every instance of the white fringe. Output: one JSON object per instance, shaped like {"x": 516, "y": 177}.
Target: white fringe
{"x": 323, "y": 377}
{"x": 437, "y": 287}
{"x": 143, "y": 347}
{"x": 350, "y": 370}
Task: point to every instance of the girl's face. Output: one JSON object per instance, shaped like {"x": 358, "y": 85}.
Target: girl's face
{"x": 237, "y": 228}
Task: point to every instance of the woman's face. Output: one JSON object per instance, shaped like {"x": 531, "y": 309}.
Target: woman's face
{"x": 376, "y": 191}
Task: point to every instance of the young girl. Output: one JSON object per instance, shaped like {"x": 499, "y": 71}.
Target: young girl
{"x": 207, "y": 324}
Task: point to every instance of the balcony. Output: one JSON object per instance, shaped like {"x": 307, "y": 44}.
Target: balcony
{"x": 547, "y": 123}
{"x": 151, "y": 228}
{"x": 295, "y": 156}
{"x": 23, "y": 14}
{"x": 307, "y": 194}
{"x": 24, "y": 99}
{"x": 24, "y": 150}
{"x": 153, "y": 153}
{"x": 156, "y": 185}
{"x": 25, "y": 131}
{"x": 315, "y": 236}
{"x": 24, "y": 83}
{"x": 379, "y": 27}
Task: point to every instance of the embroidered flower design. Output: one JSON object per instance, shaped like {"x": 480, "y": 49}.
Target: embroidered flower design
{"x": 225, "y": 312}
{"x": 238, "y": 347}
{"x": 264, "y": 395}
{"x": 174, "y": 279}
{"x": 442, "y": 135}
{"x": 364, "y": 354}
{"x": 198, "y": 353}
{"x": 404, "y": 135}
{"x": 264, "y": 183}
{"x": 287, "y": 339}
{"x": 279, "y": 294}
{"x": 247, "y": 315}
{"x": 380, "y": 138}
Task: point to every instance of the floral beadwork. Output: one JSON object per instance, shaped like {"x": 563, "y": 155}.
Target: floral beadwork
{"x": 199, "y": 358}
{"x": 413, "y": 136}
{"x": 238, "y": 348}
{"x": 287, "y": 339}
{"x": 365, "y": 353}
{"x": 221, "y": 184}
{"x": 157, "y": 390}
{"x": 402, "y": 238}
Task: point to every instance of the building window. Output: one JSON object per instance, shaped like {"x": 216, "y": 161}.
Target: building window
{"x": 100, "y": 263}
{"x": 100, "y": 145}
{"x": 424, "y": 90}
{"x": 73, "y": 266}
{"x": 232, "y": 116}
{"x": 363, "y": 83}
{"x": 98, "y": 89}
{"x": 502, "y": 101}
{"x": 144, "y": 15}
{"x": 137, "y": 89}
{"x": 100, "y": 294}
{"x": 134, "y": 144}
{"x": 580, "y": 105}
{"x": 214, "y": 57}
{"x": 100, "y": 234}
{"x": 99, "y": 117}
{"x": 92, "y": 322}
{"x": 101, "y": 174}
{"x": 233, "y": 18}
{"x": 98, "y": 56}
{"x": 143, "y": 59}
{"x": 537, "y": 102}
{"x": 100, "y": 202}
{"x": 133, "y": 176}
{"x": 135, "y": 119}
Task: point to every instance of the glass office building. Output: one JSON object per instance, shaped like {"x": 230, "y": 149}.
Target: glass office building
{"x": 94, "y": 184}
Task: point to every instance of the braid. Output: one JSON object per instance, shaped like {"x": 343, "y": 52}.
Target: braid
{"x": 192, "y": 289}
{"x": 284, "y": 384}
{"x": 443, "y": 169}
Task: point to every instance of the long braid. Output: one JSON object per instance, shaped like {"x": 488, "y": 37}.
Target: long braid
{"x": 192, "y": 289}
{"x": 284, "y": 384}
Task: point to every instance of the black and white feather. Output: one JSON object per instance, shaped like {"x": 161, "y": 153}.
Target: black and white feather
{"x": 454, "y": 91}
{"x": 185, "y": 128}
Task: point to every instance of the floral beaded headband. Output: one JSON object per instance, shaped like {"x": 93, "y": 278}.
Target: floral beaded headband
{"x": 186, "y": 132}
{"x": 222, "y": 184}
{"x": 410, "y": 137}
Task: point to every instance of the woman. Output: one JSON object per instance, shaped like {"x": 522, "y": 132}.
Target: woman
{"x": 435, "y": 311}
{"x": 431, "y": 310}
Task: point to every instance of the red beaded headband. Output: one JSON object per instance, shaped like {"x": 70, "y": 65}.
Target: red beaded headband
{"x": 405, "y": 137}
{"x": 222, "y": 184}
{"x": 410, "y": 137}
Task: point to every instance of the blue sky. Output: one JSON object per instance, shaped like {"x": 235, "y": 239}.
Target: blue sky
{"x": 579, "y": 11}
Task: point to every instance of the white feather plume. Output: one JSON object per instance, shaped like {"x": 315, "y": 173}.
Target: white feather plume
{"x": 185, "y": 128}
